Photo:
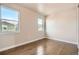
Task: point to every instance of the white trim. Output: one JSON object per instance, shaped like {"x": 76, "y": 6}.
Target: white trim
{"x": 3, "y": 49}
{"x": 63, "y": 40}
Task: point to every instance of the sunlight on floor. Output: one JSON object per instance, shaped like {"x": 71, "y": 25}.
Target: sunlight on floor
{"x": 40, "y": 50}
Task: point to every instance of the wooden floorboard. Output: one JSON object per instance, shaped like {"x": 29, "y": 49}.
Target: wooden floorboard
{"x": 43, "y": 47}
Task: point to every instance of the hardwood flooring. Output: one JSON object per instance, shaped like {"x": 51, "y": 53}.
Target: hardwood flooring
{"x": 44, "y": 47}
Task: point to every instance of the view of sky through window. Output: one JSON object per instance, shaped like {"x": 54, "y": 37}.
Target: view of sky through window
{"x": 7, "y": 13}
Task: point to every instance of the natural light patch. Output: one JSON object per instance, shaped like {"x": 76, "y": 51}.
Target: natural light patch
{"x": 40, "y": 50}
{"x": 39, "y": 21}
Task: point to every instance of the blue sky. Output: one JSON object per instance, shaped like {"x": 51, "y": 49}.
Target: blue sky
{"x": 7, "y": 13}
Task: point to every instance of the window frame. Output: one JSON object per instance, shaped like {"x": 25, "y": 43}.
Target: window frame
{"x": 19, "y": 14}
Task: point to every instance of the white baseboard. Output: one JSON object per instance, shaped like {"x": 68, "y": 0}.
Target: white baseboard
{"x": 63, "y": 41}
{"x": 3, "y": 49}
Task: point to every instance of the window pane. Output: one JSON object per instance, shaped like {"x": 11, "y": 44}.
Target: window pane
{"x": 9, "y": 25}
{"x": 9, "y": 14}
{"x": 39, "y": 21}
{"x": 4, "y": 28}
{"x": 40, "y": 24}
{"x": 9, "y": 19}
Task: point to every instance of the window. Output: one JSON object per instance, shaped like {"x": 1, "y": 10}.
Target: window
{"x": 9, "y": 20}
{"x": 40, "y": 24}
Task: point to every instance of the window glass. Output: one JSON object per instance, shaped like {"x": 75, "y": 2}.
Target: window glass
{"x": 9, "y": 19}
{"x": 40, "y": 24}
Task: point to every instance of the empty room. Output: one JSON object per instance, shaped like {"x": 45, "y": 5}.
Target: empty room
{"x": 39, "y": 28}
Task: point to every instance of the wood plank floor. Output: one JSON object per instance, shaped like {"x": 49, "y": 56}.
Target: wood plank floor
{"x": 44, "y": 47}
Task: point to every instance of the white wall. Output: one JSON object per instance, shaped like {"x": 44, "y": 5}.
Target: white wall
{"x": 28, "y": 29}
{"x": 62, "y": 26}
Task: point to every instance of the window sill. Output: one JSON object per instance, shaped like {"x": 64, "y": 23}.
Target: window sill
{"x": 6, "y": 33}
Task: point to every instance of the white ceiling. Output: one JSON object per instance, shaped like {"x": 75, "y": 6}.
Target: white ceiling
{"x": 48, "y": 8}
